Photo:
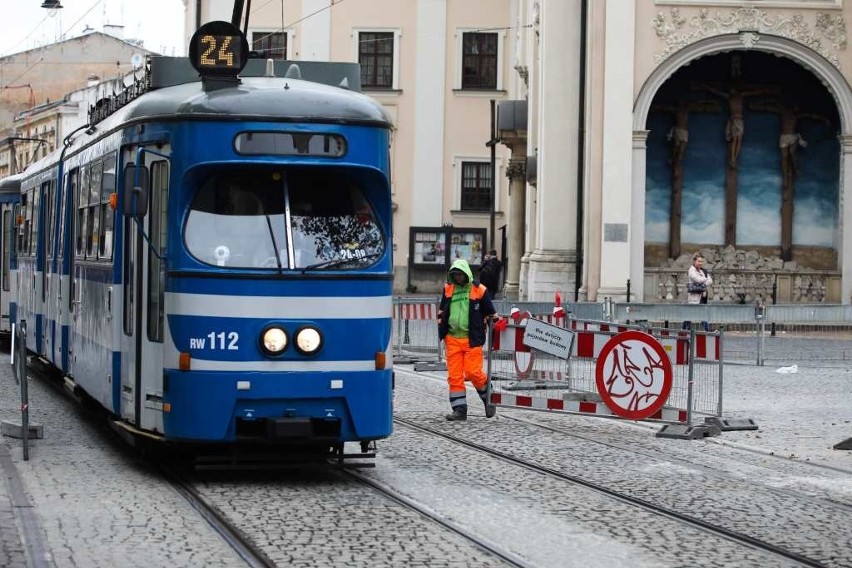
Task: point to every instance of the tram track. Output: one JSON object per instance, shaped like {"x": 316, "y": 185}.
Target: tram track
{"x": 253, "y": 556}
{"x": 230, "y": 534}
{"x": 483, "y": 544}
{"x": 733, "y": 536}
{"x": 646, "y": 454}
{"x": 720, "y": 442}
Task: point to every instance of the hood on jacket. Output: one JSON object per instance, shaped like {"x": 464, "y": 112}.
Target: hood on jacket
{"x": 462, "y": 265}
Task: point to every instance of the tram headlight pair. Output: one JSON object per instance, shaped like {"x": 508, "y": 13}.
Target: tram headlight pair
{"x": 274, "y": 340}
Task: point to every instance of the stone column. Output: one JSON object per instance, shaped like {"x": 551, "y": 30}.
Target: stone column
{"x": 553, "y": 263}
{"x": 637, "y": 217}
{"x": 620, "y": 226}
{"x": 517, "y": 174}
{"x": 845, "y": 252}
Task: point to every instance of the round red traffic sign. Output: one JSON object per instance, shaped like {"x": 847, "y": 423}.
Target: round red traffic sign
{"x": 634, "y": 375}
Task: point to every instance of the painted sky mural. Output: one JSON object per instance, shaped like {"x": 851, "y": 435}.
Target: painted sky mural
{"x": 759, "y": 171}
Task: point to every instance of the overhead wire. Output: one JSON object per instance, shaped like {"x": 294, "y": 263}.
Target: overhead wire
{"x": 291, "y": 24}
{"x": 39, "y": 61}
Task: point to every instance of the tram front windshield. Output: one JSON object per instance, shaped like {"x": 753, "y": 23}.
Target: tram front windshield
{"x": 298, "y": 219}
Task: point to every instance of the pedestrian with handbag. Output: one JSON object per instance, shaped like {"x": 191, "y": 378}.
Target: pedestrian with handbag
{"x": 697, "y": 280}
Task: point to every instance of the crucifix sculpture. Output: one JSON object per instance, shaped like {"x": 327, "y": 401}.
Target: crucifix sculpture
{"x": 735, "y": 92}
{"x": 789, "y": 141}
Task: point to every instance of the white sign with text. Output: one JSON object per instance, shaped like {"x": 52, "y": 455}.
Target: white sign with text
{"x": 548, "y": 338}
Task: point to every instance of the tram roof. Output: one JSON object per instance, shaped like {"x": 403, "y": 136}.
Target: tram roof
{"x": 313, "y": 92}
{"x": 11, "y": 184}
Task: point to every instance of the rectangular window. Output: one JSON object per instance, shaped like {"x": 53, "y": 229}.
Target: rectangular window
{"x": 34, "y": 216}
{"x": 107, "y": 213}
{"x": 82, "y": 200}
{"x": 375, "y": 54}
{"x": 270, "y": 45}
{"x": 129, "y": 275}
{"x": 50, "y": 217}
{"x": 158, "y": 230}
{"x": 93, "y": 234}
{"x": 8, "y": 239}
{"x": 479, "y": 60}
{"x": 476, "y": 186}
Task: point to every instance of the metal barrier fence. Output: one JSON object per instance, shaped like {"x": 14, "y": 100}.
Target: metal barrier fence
{"x": 416, "y": 333}
{"x": 527, "y": 378}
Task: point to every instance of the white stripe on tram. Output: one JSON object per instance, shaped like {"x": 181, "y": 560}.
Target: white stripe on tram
{"x": 301, "y": 307}
{"x": 282, "y": 366}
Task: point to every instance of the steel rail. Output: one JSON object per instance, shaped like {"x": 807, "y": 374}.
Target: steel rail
{"x": 386, "y": 491}
{"x": 728, "y": 534}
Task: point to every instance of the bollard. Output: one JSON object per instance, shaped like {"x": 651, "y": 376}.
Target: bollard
{"x": 760, "y": 326}
{"x": 25, "y": 412}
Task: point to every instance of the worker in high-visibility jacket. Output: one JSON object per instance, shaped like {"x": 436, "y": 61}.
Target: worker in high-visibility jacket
{"x": 462, "y": 313}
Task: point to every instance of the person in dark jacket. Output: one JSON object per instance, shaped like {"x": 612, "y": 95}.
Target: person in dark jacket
{"x": 464, "y": 307}
{"x": 489, "y": 273}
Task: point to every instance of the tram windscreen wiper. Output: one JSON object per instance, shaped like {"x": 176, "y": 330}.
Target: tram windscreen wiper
{"x": 339, "y": 262}
{"x": 272, "y": 235}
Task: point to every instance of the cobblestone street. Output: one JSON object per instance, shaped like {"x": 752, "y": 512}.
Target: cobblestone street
{"x": 97, "y": 505}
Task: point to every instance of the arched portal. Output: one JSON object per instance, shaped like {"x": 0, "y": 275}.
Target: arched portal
{"x": 710, "y": 49}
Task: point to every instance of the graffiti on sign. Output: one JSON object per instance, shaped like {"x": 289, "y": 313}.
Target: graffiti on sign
{"x": 634, "y": 375}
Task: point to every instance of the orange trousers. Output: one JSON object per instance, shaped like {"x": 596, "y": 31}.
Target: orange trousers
{"x": 463, "y": 363}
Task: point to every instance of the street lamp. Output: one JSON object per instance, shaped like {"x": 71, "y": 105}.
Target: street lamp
{"x": 51, "y": 4}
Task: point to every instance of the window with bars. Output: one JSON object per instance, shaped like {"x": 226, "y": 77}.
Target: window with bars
{"x": 375, "y": 54}
{"x": 479, "y": 60}
{"x": 476, "y": 186}
{"x": 270, "y": 45}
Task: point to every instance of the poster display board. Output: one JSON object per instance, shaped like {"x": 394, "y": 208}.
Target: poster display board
{"x": 439, "y": 247}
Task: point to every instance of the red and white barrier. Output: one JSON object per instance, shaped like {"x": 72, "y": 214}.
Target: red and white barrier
{"x": 582, "y": 406}
{"x": 424, "y": 311}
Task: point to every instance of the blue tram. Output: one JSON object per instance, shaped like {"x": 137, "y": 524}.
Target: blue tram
{"x": 210, "y": 261}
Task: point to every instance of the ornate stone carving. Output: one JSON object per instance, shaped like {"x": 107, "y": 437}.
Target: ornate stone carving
{"x": 517, "y": 168}
{"x": 825, "y": 33}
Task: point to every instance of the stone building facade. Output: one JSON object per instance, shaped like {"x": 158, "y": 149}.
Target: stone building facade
{"x": 35, "y": 86}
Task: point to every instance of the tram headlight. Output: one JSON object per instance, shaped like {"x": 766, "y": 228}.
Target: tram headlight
{"x": 273, "y": 340}
{"x": 308, "y": 340}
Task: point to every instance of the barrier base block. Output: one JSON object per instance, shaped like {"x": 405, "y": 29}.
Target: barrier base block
{"x": 844, "y": 445}
{"x": 685, "y": 432}
{"x": 730, "y": 424}
{"x": 13, "y": 429}
{"x": 436, "y": 366}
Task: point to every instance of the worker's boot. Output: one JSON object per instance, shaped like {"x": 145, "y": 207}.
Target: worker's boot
{"x": 490, "y": 409}
{"x": 458, "y": 414}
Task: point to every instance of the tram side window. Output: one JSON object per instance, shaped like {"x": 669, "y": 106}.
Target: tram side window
{"x": 69, "y": 186}
{"x": 82, "y": 200}
{"x": 19, "y": 224}
{"x": 107, "y": 213}
{"x": 158, "y": 230}
{"x": 93, "y": 235}
{"x": 33, "y": 244}
{"x": 49, "y": 217}
{"x": 8, "y": 236}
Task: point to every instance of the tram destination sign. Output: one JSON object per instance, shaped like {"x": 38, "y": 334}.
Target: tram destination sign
{"x": 548, "y": 338}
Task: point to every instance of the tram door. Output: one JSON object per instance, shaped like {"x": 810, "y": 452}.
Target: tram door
{"x": 143, "y": 314}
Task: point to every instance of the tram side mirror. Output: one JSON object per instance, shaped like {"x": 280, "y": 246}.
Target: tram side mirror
{"x": 135, "y": 191}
